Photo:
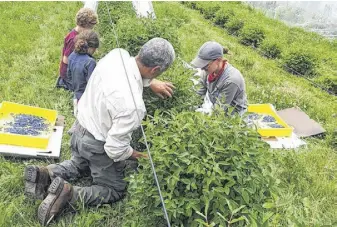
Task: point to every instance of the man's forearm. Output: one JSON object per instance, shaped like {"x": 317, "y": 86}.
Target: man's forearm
{"x": 136, "y": 155}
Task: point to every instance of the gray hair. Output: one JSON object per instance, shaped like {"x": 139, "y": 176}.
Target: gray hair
{"x": 157, "y": 52}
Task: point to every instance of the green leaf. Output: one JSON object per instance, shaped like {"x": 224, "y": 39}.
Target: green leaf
{"x": 245, "y": 196}
{"x": 227, "y": 190}
{"x": 268, "y": 205}
{"x": 202, "y": 215}
{"x": 200, "y": 221}
{"x": 221, "y": 216}
{"x": 229, "y": 205}
{"x": 267, "y": 216}
{"x": 238, "y": 209}
{"x": 237, "y": 219}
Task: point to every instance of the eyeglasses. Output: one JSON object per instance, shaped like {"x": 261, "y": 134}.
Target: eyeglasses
{"x": 206, "y": 66}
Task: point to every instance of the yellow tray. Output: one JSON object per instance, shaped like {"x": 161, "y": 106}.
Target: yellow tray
{"x": 270, "y": 132}
{"x": 7, "y": 108}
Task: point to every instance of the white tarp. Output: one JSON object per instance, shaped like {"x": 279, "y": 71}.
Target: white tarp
{"x": 91, "y": 4}
{"x": 144, "y": 9}
{"x": 285, "y": 142}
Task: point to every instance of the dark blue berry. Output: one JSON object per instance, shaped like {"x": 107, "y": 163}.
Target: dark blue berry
{"x": 25, "y": 124}
{"x": 276, "y": 126}
{"x": 268, "y": 118}
{"x": 253, "y": 116}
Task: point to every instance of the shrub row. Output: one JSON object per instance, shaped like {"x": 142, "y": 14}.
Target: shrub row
{"x": 132, "y": 32}
{"x": 208, "y": 180}
{"x": 205, "y": 174}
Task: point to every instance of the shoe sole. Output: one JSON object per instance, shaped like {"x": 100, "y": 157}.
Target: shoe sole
{"x": 54, "y": 190}
{"x": 31, "y": 173}
{"x": 35, "y": 183}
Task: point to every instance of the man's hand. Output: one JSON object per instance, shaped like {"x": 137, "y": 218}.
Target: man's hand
{"x": 136, "y": 155}
{"x": 162, "y": 89}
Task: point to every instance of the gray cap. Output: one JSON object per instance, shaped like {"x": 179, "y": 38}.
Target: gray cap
{"x": 208, "y": 51}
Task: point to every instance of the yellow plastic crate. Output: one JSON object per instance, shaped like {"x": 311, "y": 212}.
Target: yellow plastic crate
{"x": 271, "y": 132}
{"x": 7, "y": 108}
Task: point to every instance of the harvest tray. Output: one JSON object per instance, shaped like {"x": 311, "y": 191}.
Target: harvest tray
{"x": 52, "y": 151}
{"x": 270, "y": 110}
{"x": 38, "y": 141}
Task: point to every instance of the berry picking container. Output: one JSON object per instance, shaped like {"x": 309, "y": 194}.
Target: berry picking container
{"x": 39, "y": 141}
{"x": 270, "y": 110}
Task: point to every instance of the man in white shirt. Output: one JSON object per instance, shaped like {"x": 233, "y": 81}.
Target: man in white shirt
{"x": 109, "y": 110}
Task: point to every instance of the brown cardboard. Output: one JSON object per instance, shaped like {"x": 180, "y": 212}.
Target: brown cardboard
{"x": 59, "y": 120}
{"x": 303, "y": 125}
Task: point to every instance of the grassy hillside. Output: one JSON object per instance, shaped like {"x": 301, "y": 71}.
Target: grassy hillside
{"x": 32, "y": 37}
{"x": 304, "y": 181}
{"x": 315, "y": 55}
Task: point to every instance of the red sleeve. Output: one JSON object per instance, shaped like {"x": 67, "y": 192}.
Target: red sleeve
{"x": 69, "y": 47}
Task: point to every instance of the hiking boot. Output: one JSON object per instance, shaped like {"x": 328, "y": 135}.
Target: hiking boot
{"x": 60, "y": 192}
{"x": 37, "y": 181}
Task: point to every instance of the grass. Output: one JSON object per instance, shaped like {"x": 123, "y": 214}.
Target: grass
{"x": 29, "y": 66}
{"x": 33, "y": 35}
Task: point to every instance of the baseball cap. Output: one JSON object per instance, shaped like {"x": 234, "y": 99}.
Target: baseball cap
{"x": 208, "y": 51}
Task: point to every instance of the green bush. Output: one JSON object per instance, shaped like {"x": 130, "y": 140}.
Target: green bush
{"x": 234, "y": 26}
{"x": 117, "y": 10}
{"x": 189, "y": 4}
{"x": 132, "y": 34}
{"x": 251, "y": 36}
{"x": 183, "y": 18}
{"x": 328, "y": 82}
{"x": 222, "y": 17}
{"x": 200, "y": 6}
{"x": 184, "y": 97}
{"x": 209, "y": 170}
{"x": 300, "y": 63}
{"x": 208, "y": 10}
{"x": 270, "y": 49}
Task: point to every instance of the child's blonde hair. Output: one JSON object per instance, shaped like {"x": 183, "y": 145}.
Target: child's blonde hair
{"x": 85, "y": 40}
{"x": 86, "y": 18}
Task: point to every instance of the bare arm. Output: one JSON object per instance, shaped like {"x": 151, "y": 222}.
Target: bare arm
{"x": 65, "y": 59}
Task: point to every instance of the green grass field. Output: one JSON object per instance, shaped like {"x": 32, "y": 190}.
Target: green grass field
{"x": 33, "y": 35}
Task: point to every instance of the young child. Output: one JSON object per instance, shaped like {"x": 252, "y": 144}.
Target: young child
{"x": 81, "y": 64}
{"x": 85, "y": 20}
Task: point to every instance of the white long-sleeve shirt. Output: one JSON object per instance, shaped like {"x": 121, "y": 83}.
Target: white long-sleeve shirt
{"x": 107, "y": 109}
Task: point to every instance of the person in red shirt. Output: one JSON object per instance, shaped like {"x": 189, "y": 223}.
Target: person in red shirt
{"x": 86, "y": 19}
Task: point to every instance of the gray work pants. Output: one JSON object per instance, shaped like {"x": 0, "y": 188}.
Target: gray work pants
{"x": 89, "y": 156}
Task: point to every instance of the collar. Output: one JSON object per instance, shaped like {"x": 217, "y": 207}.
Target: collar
{"x": 140, "y": 80}
{"x": 213, "y": 77}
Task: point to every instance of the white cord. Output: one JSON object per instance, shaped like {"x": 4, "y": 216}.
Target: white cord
{"x": 145, "y": 140}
